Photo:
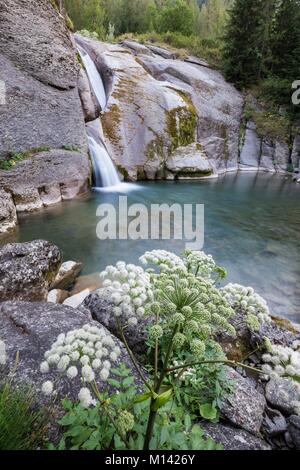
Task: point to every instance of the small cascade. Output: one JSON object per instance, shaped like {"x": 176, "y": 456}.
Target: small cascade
{"x": 94, "y": 77}
{"x": 105, "y": 173}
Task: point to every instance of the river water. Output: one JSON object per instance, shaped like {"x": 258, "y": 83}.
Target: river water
{"x": 252, "y": 228}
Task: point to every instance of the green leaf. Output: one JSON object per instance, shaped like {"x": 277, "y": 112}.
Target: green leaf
{"x": 128, "y": 381}
{"x": 143, "y": 397}
{"x": 162, "y": 399}
{"x": 208, "y": 411}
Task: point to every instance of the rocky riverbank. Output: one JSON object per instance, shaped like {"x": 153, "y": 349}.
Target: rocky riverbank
{"x": 258, "y": 414}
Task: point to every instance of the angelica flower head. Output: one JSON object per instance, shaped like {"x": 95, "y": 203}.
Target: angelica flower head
{"x": 245, "y": 300}
{"x": 129, "y": 288}
{"x": 283, "y": 361}
{"x": 82, "y": 352}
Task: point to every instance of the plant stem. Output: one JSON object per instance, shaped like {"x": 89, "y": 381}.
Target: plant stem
{"x": 133, "y": 359}
{"x": 110, "y": 417}
{"x": 150, "y": 426}
{"x": 153, "y": 413}
{"x": 230, "y": 363}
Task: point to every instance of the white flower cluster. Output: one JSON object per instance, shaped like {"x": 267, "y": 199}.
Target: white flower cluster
{"x": 200, "y": 263}
{"x": 245, "y": 300}
{"x": 164, "y": 259}
{"x": 88, "y": 351}
{"x": 2, "y": 353}
{"x": 130, "y": 290}
{"x": 284, "y": 362}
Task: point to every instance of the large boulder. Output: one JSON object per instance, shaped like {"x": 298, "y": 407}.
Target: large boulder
{"x": 232, "y": 438}
{"x": 39, "y": 68}
{"x": 47, "y": 178}
{"x": 245, "y": 405}
{"x": 189, "y": 162}
{"x": 30, "y": 329}
{"x": 8, "y": 213}
{"x": 27, "y": 270}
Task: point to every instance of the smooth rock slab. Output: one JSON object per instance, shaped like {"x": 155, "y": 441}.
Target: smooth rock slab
{"x": 232, "y": 438}
{"x": 27, "y": 270}
{"x": 244, "y": 407}
{"x": 31, "y": 328}
{"x": 281, "y": 393}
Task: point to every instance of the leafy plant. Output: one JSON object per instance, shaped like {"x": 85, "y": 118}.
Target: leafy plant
{"x": 21, "y": 425}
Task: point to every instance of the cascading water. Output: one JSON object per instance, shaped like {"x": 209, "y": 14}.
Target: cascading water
{"x": 94, "y": 77}
{"x": 105, "y": 173}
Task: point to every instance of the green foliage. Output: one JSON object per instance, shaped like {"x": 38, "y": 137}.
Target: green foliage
{"x": 92, "y": 429}
{"x": 177, "y": 16}
{"x": 21, "y": 425}
{"x": 14, "y": 158}
{"x": 203, "y": 388}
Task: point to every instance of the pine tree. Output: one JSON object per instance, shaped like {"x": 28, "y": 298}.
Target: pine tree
{"x": 285, "y": 41}
{"x": 244, "y": 36}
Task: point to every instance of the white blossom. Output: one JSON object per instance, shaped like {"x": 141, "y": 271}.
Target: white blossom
{"x": 72, "y": 372}
{"x": 85, "y": 397}
{"x": 47, "y": 388}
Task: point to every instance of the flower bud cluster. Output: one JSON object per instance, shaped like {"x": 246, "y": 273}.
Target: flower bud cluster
{"x": 86, "y": 352}
{"x": 284, "y": 362}
{"x": 245, "y": 300}
{"x": 130, "y": 289}
{"x": 200, "y": 263}
{"x": 164, "y": 259}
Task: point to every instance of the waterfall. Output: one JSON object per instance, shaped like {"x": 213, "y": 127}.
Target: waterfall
{"x": 105, "y": 173}
{"x": 94, "y": 77}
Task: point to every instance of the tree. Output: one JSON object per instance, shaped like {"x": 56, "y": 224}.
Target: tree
{"x": 87, "y": 14}
{"x": 213, "y": 16}
{"x": 285, "y": 41}
{"x": 243, "y": 42}
{"x": 177, "y": 16}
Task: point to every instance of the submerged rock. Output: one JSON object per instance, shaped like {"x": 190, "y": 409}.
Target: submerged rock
{"x": 27, "y": 270}
{"x": 232, "y": 438}
{"x": 245, "y": 405}
{"x": 8, "y": 213}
